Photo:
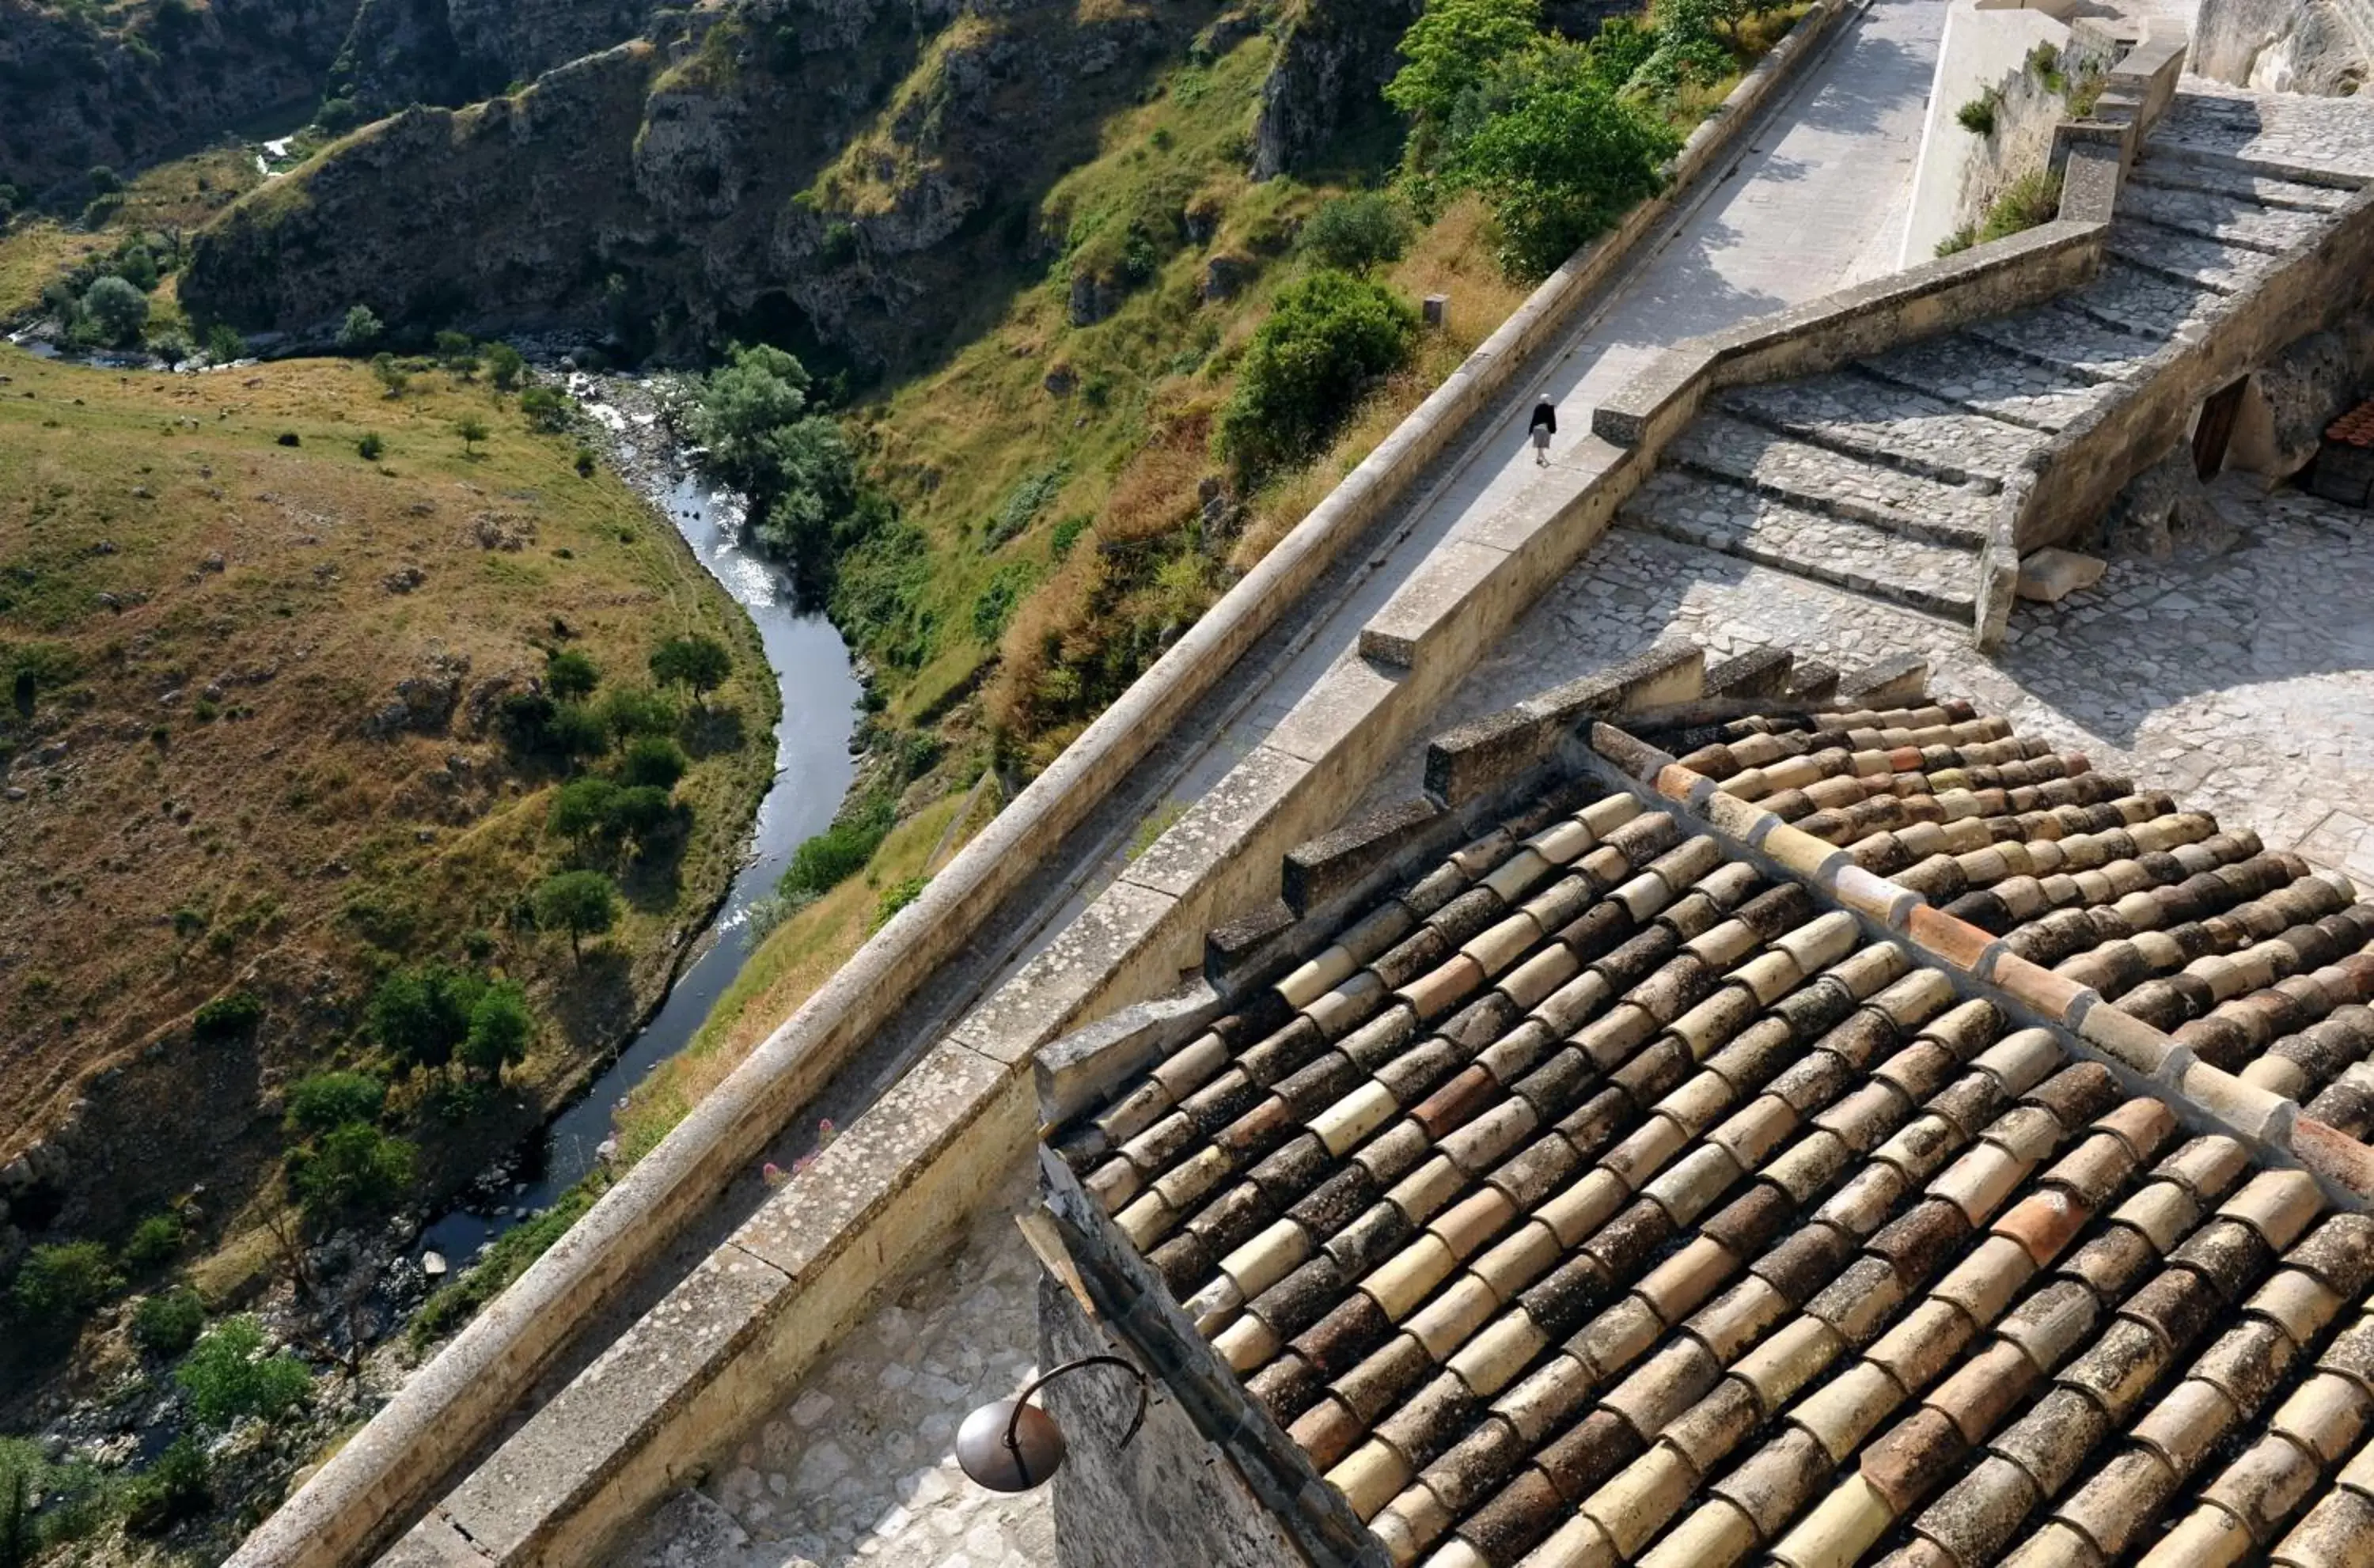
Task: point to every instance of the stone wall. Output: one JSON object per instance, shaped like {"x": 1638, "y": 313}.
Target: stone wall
{"x": 2067, "y": 485}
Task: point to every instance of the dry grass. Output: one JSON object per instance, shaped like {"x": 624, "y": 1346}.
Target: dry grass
{"x": 202, "y": 799}
{"x": 795, "y": 959}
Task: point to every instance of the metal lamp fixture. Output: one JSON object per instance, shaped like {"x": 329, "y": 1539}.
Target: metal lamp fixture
{"x": 1013, "y": 1445}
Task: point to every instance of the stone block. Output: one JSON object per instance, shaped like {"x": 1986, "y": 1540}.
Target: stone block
{"x": 1438, "y": 609}
{"x": 546, "y": 1474}
{"x": 1321, "y": 871}
{"x": 1085, "y": 1066}
{"x": 1811, "y": 681}
{"x": 2050, "y": 574}
{"x": 1764, "y": 671}
{"x": 1896, "y": 681}
{"x": 433, "y": 1543}
{"x": 1232, "y": 952}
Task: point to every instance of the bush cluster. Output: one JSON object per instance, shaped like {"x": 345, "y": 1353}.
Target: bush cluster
{"x": 1330, "y": 336}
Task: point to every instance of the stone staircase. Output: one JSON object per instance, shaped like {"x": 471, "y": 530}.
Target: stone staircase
{"x": 1881, "y": 478}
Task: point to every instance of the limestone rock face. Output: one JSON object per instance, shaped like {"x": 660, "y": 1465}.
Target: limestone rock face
{"x": 79, "y": 93}
{"x": 858, "y": 169}
{"x": 2305, "y": 46}
{"x": 1332, "y": 58}
{"x": 453, "y": 51}
{"x": 2309, "y": 385}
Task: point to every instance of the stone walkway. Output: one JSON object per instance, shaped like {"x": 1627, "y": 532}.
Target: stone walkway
{"x": 858, "y": 1465}
{"x": 1883, "y": 477}
{"x": 2241, "y": 682}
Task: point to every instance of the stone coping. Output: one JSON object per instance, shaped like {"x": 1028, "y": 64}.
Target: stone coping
{"x": 381, "y": 1479}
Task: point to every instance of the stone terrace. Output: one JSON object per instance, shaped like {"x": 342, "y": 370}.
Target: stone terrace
{"x": 1883, "y": 477}
{"x": 1599, "y": 1197}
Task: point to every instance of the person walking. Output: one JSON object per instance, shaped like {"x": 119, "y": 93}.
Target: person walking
{"x": 1543, "y": 427}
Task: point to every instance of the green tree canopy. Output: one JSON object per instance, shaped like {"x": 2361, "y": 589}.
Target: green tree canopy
{"x": 652, "y": 759}
{"x": 422, "y": 1014}
{"x": 569, "y": 675}
{"x": 116, "y": 309}
{"x": 1357, "y": 233}
{"x": 362, "y": 330}
{"x": 57, "y": 1283}
{"x": 582, "y": 903}
{"x": 1561, "y": 162}
{"x": 580, "y": 808}
{"x": 354, "y": 1166}
{"x": 332, "y": 1099}
{"x": 502, "y": 1026}
{"x": 698, "y": 661}
{"x": 1450, "y": 51}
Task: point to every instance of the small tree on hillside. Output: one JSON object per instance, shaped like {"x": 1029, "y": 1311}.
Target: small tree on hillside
{"x": 504, "y": 366}
{"x": 116, "y": 309}
{"x": 569, "y": 674}
{"x": 501, "y": 1029}
{"x": 583, "y": 903}
{"x": 698, "y": 661}
{"x": 581, "y": 808}
{"x": 362, "y": 330}
{"x": 472, "y": 429}
{"x": 422, "y": 1014}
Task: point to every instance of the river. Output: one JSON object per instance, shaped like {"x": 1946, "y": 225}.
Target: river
{"x": 813, "y": 770}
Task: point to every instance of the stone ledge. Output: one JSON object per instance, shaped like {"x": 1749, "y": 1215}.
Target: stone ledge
{"x": 1484, "y": 754}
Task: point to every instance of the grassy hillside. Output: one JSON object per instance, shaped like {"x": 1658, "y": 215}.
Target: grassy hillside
{"x": 254, "y": 746}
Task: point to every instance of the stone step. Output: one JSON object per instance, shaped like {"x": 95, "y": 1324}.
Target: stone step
{"x": 1714, "y": 515}
{"x": 2229, "y": 269}
{"x": 1818, "y": 479}
{"x": 2060, "y": 334}
{"x": 2220, "y": 219}
{"x": 1975, "y": 374}
{"x": 2136, "y": 301}
{"x": 2176, "y": 173}
{"x": 2265, "y": 164}
{"x": 1865, "y": 417}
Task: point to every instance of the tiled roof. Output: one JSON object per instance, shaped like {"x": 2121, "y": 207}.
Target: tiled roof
{"x": 2354, "y": 429}
{"x": 1614, "y": 1193}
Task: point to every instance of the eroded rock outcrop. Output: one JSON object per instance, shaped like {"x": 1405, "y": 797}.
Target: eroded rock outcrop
{"x": 860, "y": 168}
{"x": 2307, "y": 46}
{"x": 80, "y": 91}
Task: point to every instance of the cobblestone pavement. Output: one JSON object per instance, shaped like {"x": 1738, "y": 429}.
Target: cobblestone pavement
{"x": 2242, "y": 682}
{"x": 2332, "y": 133}
{"x": 857, "y": 1465}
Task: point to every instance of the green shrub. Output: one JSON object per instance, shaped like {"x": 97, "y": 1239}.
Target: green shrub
{"x": 355, "y": 1167}
{"x": 332, "y": 1099}
{"x": 1066, "y": 535}
{"x": 59, "y": 1283}
{"x": 993, "y": 605}
{"x": 169, "y": 1490}
{"x": 372, "y": 447}
{"x": 2033, "y": 198}
{"x": 580, "y": 808}
{"x": 569, "y": 675}
{"x": 895, "y": 897}
{"x": 226, "y": 1016}
{"x": 1449, "y": 51}
{"x": 167, "y": 1323}
{"x": 421, "y": 1013}
{"x": 1978, "y": 116}
{"x": 153, "y": 1242}
{"x": 629, "y": 711}
{"x": 457, "y": 351}
{"x": 505, "y": 364}
{"x": 227, "y": 1378}
{"x": 224, "y": 343}
{"x": 546, "y": 410}
{"x": 839, "y": 852}
{"x": 1022, "y": 505}
{"x": 582, "y": 903}
{"x": 651, "y": 760}
{"x": 700, "y": 662}
{"x": 1330, "y": 337}
{"x": 1357, "y": 233}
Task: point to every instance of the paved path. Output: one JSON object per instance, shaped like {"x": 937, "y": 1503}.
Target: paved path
{"x": 2241, "y": 679}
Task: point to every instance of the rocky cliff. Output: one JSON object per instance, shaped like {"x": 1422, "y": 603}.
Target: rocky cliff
{"x": 2309, "y": 46}
{"x": 865, "y": 174}
{"x": 457, "y": 51}
{"x": 81, "y": 88}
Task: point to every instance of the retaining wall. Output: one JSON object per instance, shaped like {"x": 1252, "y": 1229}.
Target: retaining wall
{"x": 383, "y": 1480}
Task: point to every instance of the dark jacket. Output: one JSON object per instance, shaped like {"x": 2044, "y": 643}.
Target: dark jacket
{"x": 1544, "y": 416}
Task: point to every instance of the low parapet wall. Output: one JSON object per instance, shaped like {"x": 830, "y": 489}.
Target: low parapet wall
{"x": 523, "y": 1504}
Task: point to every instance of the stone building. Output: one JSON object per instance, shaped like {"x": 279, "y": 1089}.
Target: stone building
{"x": 1871, "y": 1134}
